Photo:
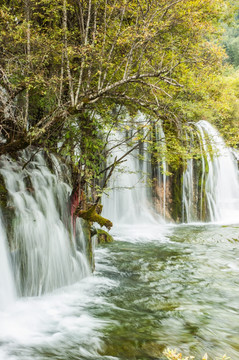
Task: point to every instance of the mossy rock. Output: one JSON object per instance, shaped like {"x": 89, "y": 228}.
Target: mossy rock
{"x": 92, "y": 214}
{"x": 3, "y": 193}
{"x": 6, "y": 210}
{"x": 103, "y": 237}
{"x": 176, "y": 192}
{"x": 86, "y": 229}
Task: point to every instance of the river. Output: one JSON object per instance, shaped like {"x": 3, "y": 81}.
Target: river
{"x": 175, "y": 286}
{"x": 157, "y": 285}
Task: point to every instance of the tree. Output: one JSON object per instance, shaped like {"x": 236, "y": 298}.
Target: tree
{"x": 70, "y": 69}
{"x": 231, "y": 40}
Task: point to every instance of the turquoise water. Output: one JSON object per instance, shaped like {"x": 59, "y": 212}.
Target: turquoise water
{"x": 177, "y": 287}
{"x": 182, "y": 292}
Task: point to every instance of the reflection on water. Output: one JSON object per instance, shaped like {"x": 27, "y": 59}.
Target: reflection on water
{"x": 179, "y": 290}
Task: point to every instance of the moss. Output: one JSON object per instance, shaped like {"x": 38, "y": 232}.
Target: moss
{"x": 202, "y": 199}
{"x": 7, "y": 211}
{"x": 176, "y": 205}
{"x": 93, "y": 214}
{"x": 86, "y": 229}
{"x": 3, "y": 193}
{"x": 206, "y": 165}
{"x": 103, "y": 237}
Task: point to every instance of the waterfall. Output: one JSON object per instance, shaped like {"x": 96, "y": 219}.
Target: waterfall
{"x": 218, "y": 198}
{"x": 46, "y": 254}
{"x": 221, "y": 183}
{"x": 210, "y": 186}
{"x": 187, "y": 194}
{"x": 161, "y": 171}
{"x": 130, "y": 198}
{"x": 7, "y": 286}
{"x": 188, "y": 189}
{"x": 128, "y": 201}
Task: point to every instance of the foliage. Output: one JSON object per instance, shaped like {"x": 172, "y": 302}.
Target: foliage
{"x": 71, "y": 71}
{"x": 231, "y": 40}
{"x": 174, "y": 355}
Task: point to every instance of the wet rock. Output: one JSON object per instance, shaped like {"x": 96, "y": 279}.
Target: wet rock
{"x": 86, "y": 229}
{"x": 103, "y": 237}
{"x": 7, "y": 211}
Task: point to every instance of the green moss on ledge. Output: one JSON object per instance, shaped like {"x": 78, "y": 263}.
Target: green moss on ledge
{"x": 93, "y": 214}
{"x": 103, "y": 237}
{"x": 6, "y": 209}
{"x": 3, "y": 193}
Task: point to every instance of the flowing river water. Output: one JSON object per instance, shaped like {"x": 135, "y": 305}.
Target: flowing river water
{"x": 157, "y": 285}
{"x": 176, "y": 287}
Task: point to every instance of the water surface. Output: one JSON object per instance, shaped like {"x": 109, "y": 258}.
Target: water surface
{"x": 176, "y": 287}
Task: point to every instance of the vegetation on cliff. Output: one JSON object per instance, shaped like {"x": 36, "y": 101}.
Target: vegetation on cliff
{"x": 71, "y": 71}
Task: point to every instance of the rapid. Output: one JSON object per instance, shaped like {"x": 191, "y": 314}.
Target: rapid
{"x": 157, "y": 285}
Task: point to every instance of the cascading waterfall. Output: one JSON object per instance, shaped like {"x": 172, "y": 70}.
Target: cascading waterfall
{"x": 210, "y": 186}
{"x": 47, "y": 253}
{"x": 7, "y": 286}
{"x": 162, "y": 170}
{"x": 129, "y": 201}
{"x": 188, "y": 190}
{"x": 187, "y": 193}
{"x": 221, "y": 184}
{"x": 44, "y": 249}
{"x": 218, "y": 180}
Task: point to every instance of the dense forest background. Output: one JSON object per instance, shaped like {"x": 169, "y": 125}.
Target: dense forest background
{"x": 231, "y": 41}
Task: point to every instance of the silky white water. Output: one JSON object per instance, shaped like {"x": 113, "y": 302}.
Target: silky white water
{"x": 180, "y": 292}
{"x": 60, "y": 325}
{"x": 188, "y": 212}
{"x": 45, "y": 252}
{"x": 155, "y": 286}
{"x": 129, "y": 202}
{"x": 7, "y": 285}
{"x": 48, "y": 259}
{"x": 219, "y": 182}
{"x": 210, "y": 187}
{"x": 162, "y": 168}
{"x": 222, "y": 185}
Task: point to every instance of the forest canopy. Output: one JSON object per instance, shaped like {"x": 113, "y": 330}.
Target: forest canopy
{"x": 72, "y": 70}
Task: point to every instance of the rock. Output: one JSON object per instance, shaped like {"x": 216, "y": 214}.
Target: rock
{"x": 6, "y": 210}
{"x": 86, "y": 230}
{"x": 103, "y": 237}
{"x": 3, "y": 193}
